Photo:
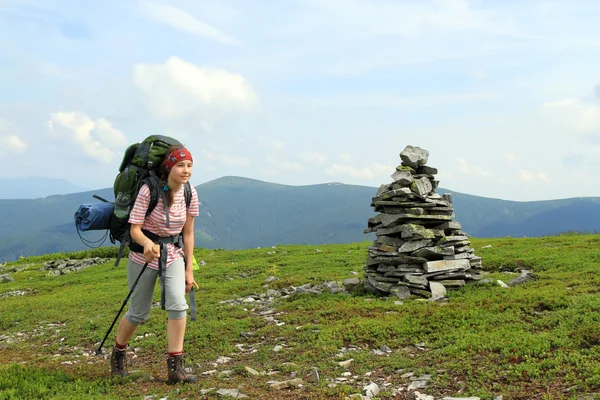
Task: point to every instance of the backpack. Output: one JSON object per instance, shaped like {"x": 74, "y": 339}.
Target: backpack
{"x": 140, "y": 165}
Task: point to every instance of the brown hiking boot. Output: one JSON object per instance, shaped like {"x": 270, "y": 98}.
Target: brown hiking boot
{"x": 118, "y": 362}
{"x": 177, "y": 372}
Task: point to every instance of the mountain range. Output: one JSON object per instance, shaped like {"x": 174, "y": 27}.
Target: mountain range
{"x": 35, "y": 187}
{"x": 238, "y": 213}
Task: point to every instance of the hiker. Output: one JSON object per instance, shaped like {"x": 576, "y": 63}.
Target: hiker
{"x": 160, "y": 245}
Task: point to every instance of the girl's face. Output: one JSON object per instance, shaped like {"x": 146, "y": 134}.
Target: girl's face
{"x": 181, "y": 172}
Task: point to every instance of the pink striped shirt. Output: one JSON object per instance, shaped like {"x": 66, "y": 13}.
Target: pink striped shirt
{"x": 156, "y": 221}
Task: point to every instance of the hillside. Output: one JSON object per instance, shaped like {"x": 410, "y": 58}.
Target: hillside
{"x": 239, "y": 213}
{"x": 266, "y": 316}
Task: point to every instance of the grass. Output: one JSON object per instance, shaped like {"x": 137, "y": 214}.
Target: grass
{"x": 540, "y": 340}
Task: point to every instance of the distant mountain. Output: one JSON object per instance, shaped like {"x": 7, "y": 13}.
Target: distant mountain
{"x": 239, "y": 213}
{"x": 35, "y": 187}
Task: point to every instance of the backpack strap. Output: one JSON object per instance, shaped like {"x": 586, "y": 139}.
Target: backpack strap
{"x": 188, "y": 194}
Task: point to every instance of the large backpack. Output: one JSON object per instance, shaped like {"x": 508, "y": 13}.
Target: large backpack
{"x": 140, "y": 165}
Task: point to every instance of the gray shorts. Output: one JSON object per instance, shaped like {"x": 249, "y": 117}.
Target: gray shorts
{"x": 140, "y": 301}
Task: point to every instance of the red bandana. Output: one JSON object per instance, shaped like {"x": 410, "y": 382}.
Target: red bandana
{"x": 176, "y": 156}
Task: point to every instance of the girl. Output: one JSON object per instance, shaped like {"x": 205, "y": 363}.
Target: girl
{"x": 162, "y": 247}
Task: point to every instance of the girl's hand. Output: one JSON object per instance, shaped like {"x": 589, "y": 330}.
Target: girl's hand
{"x": 189, "y": 281}
{"x": 151, "y": 251}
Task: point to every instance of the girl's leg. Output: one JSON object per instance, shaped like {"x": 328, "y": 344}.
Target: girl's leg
{"x": 176, "y": 306}
{"x": 140, "y": 303}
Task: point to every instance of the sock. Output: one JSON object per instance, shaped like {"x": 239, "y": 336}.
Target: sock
{"x": 176, "y": 353}
{"x": 120, "y": 347}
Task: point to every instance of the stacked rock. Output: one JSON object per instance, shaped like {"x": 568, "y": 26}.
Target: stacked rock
{"x": 419, "y": 248}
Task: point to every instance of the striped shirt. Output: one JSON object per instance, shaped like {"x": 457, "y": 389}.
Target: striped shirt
{"x": 156, "y": 221}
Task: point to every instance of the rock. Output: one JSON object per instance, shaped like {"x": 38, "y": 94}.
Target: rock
{"x": 251, "y": 371}
{"x": 346, "y": 363}
{"x": 6, "y": 278}
{"x": 421, "y": 186}
{"x": 371, "y": 390}
{"x": 504, "y": 285}
{"x": 417, "y": 385}
{"x": 413, "y": 156}
{"x": 286, "y": 384}
{"x": 402, "y": 177}
{"x": 437, "y": 290}
{"x": 524, "y": 276}
{"x": 461, "y": 398}
{"x": 401, "y": 292}
{"x": 233, "y": 393}
{"x": 313, "y": 376}
{"x": 351, "y": 283}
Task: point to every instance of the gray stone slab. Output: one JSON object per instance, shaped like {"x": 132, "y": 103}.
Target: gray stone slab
{"x": 446, "y": 265}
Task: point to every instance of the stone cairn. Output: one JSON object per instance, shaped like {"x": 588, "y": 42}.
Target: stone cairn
{"x": 419, "y": 248}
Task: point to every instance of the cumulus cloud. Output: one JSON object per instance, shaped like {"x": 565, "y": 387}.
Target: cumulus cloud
{"x": 98, "y": 139}
{"x": 182, "y": 20}
{"x": 365, "y": 172}
{"x": 461, "y": 165}
{"x": 313, "y": 157}
{"x": 575, "y": 114}
{"x": 380, "y": 17}
{"x": 510, "y": 158}
{"x": 226, "y": 159}
{"x": 275, "y": 145}
{"x": 345, "y": 157}
{"x": 178, "y": 89}
{"x": 284, "y": 165}
{"x": 529, "y": 176}
{"x": 12, "y": 144}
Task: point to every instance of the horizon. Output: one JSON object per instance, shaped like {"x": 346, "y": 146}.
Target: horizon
{"x": 505, "y": 96}
{"x": 91, "y": 190}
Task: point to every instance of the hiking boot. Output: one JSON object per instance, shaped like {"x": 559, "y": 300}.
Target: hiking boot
{"x": 176, "y": 371}
{"x": 118, "y": 362}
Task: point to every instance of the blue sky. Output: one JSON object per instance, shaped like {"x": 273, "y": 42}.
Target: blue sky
{"x": 505, "y": 95}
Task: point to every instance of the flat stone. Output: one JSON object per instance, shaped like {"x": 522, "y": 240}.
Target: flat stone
{"x": 390, "y": 241}
{"x": 461, "y": 256}
{"x": 286, "y": 384}
{"x": 435, "y": 251}
{"x": 449, "y": 225}
{"x": 417, "y": 280}
{"x": 444, "y": 265}
{"x": 409, "y": 247}
{"x": 450, "y": 283}
{"x": 425, "y": 169}
{"x": 401, "y": 292}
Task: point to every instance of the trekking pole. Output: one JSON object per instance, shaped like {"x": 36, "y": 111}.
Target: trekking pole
{"x": 99, "y": 349}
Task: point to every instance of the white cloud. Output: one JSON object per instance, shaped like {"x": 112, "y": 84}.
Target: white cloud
{"x": 381, "y": 17}
{"x": 574, "y": 113}
{"x": 529, "y": 176}
{"x": 510, "y": 158}
{"x": 178, "y": 89}
{"x": 365, "y": 172}
{"x": 284, "y": 165}
{"x": 345, "y": 157}
{"x": 179, "y": 19}
{"x": 461, "y": 165}
{"x": 12, "y": 144}
{"x": 226, "y": 159}
{"x": 313, "y": 157}
{"x": 98, "y": 139}
{"x": 275, "y": 145}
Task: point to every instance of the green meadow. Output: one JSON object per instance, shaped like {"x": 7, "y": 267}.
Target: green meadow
{"x": 540, "y": 340}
